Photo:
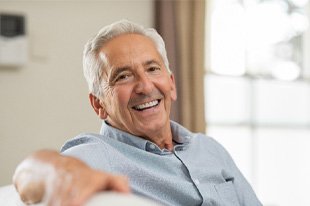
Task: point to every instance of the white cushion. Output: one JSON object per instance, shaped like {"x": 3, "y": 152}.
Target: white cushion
{"x": 9, "y": 197}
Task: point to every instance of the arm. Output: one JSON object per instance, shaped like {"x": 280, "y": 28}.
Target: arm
{"x": 60, "y": 180}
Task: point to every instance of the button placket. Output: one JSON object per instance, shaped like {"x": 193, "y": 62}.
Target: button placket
{"x": 196, "y": 181}
{"x": 152, "y": 147}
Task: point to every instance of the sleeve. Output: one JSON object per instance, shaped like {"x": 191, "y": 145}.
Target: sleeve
{"x": 89, "y": 150}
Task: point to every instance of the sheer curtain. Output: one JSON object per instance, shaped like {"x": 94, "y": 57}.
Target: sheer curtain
{"x": 181, "y": 23}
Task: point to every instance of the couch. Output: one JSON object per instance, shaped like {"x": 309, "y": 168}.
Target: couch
{"x": 9, "y": 197}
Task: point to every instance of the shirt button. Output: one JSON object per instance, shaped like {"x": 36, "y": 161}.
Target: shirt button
{"x": 152, "y": 146}
{"x": 196, "y": 181}
{"x": 179, "y": 148}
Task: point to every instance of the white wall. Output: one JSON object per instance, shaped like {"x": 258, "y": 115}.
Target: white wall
{"x": 45, "y": 102}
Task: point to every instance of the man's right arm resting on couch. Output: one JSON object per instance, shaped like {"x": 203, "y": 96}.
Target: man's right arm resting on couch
{"x": 61, "y": 180}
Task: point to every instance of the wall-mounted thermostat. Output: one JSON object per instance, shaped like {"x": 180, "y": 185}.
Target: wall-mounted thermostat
{"x": 13, "y": 41}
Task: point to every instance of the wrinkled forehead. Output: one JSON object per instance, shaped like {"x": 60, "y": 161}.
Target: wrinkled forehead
{"x": 129, "y": 49}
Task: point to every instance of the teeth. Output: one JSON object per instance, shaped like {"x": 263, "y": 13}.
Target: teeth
{"x": 146, "y": 105}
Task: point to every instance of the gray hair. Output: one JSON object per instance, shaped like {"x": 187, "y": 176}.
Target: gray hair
{"x": 94, "y": 62}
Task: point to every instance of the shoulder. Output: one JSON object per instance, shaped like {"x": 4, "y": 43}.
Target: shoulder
{"x": 205, "y": 140}
{"x": 211, "y": 145}
{"x": 90, "y": 148}
{"x": 81, "y": 140}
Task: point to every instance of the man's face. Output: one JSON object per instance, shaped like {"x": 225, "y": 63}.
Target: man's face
{"x": 139, "y": 91}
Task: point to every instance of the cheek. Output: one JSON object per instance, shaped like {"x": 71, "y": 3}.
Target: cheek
{"x": 122, "y": 97}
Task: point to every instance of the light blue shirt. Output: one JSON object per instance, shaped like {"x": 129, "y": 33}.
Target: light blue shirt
{"x": 199, "y": 171}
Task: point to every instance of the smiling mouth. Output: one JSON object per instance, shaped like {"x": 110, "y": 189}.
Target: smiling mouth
{"x": 147, "y": 105}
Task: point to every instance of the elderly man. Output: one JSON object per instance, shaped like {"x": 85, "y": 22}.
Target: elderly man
{"x": 131, "y": 89}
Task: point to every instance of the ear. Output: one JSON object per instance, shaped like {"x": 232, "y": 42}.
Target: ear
{"x": 98, "y": 106}
{"x": 173, "y": 88}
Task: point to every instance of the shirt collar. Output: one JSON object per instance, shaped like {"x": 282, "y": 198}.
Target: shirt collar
{"x": 181, "y": 137}
{"x": 180, "y": 134}
{"x": 125, "y": 137}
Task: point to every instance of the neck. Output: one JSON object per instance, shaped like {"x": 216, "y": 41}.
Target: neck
{"x": 162, "y": 139}
{"x": 166, "y": 143}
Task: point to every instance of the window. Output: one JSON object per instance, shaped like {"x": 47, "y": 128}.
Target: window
{"x": 257, "y": 93}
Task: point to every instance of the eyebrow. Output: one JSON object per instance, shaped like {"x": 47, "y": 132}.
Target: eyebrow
{"x": 118, "y": 70}
{"x": 149, "y": 62}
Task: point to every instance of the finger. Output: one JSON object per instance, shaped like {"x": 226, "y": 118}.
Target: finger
{"x": 118, "y": 183}
{"x": 107, "y": 182}
{"x": 63, "y": 190}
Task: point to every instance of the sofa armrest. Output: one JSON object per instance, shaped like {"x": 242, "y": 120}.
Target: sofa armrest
{"x": 9, "y": 197}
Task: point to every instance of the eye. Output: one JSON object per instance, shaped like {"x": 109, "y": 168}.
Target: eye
{"x": 153, "y": 69}
{"x": 122, "y": 77}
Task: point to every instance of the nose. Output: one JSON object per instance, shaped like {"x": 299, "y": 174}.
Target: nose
{"x": 144, "y": 85}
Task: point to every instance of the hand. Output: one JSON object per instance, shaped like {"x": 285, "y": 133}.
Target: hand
{"x": 59, "y": 180}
